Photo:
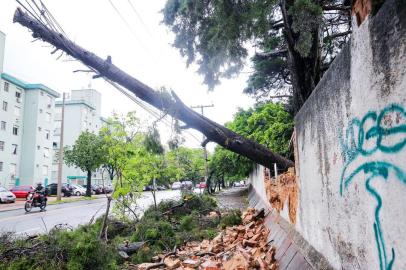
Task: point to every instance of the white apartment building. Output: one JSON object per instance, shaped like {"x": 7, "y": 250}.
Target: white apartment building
{"x": 26, "y": 129}
{"x": 82, "y": 113}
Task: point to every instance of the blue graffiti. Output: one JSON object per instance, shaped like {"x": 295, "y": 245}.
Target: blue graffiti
{"x": 384, "y": 132}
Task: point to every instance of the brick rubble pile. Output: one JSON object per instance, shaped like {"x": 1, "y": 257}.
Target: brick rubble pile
{"x": 240, "y": 247}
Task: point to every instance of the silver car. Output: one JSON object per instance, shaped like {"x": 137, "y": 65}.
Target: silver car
{"x": 6, "y": 196}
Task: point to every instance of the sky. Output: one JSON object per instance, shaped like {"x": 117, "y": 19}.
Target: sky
{"x": 141, "y": 46}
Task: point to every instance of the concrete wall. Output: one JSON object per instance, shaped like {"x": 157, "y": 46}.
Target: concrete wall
{"x": 351, "y": 150}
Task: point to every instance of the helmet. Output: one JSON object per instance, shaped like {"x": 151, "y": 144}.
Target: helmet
{"x": 39, "y": 184}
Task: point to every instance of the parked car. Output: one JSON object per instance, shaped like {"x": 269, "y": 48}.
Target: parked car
{"x": 148, "y": 188}
{"x": 106, "y": 188}
{"x": 52, "y": 190}
{"x": 202, "y": 185}
{"x": 95, "y": 189}
{"x": 176, "y": 185}
{"x": 162, "y": 187}
{"x": 78, "y": 190}
{"x": 6, "y": 196}
{"x": 22, "y": 191}
{"x": 187, "y": 185}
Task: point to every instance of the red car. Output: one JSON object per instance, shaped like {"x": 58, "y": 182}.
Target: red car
{"x": 202, "y": 185}
{"x": 22, "y": 191}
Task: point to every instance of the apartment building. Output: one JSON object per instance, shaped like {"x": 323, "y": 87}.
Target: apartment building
{"x": 26, "y": 127}
{"x": 82, "y": 113}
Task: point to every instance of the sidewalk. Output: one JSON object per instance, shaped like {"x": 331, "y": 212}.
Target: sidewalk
{"x": 19, "y": 204}
{"x": 233, "y": 198}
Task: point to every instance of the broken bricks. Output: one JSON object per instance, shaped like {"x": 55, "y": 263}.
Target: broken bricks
{"x": 240, "y": 247}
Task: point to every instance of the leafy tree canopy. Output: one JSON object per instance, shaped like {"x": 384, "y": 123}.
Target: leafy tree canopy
{"x": 294, "y": 40}
{"x": 86, "y": 154}
{"x": 269, "y": 124}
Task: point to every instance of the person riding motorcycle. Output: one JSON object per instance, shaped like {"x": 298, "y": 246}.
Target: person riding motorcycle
{"x": 41, "y": 191}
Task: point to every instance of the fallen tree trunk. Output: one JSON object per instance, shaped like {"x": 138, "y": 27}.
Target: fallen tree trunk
{"x": 169, "y": 104}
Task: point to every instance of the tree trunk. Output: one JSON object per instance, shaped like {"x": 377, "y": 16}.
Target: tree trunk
{"x": 305, "y": 70}
{"x": 103, "y": 231}
{"x": 89, "y": 184}
{"x": 169, "y": 103}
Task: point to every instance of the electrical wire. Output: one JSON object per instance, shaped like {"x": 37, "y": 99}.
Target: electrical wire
{"x": 54, "y": 25}
{"x": 131, "y": 29}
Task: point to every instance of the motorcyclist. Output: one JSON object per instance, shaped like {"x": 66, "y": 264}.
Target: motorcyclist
{"x": 41, "y": 191}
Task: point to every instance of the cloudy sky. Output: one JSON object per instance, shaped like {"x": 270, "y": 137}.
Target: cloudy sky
{"x": 141, "y": 47}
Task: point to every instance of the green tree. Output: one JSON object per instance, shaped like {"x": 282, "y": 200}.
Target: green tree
{"x": 86, "y": 154}
{"x": 295, "y": 40}
{"x": 185, "y": 164}
{"x": 269, "y": 124}
{"x": 117, "y": 139}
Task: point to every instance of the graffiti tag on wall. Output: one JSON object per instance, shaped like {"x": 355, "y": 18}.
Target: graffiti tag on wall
{"x": 382, "y": 133}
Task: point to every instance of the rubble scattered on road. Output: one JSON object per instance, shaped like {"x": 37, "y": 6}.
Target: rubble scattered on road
{"x": 239, "y": 247}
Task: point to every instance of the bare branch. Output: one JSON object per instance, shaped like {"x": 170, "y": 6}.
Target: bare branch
{"x": 272, "y": 54}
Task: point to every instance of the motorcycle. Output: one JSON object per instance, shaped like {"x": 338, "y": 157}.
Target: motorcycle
{"x": 34, "y": 200}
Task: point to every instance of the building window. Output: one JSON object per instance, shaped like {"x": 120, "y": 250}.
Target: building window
{"x": 40, "y": 110}
{"x": 1, "y": 166}
{"x": 44, "y": 170}
{"x": 1, "y": 146}
{"x": 46, "y": 152}
{"x": 39, "y": 128}
{"x": 49, "y": 102}
{"x": 38, "y": 147}
{"x": 18, "y": 96}
{"x": 5, "y": 106}
{"x": 17, "y": 111}
{"x": 47, "y": 134}
{"x": 3, "y": 125}
{"x": 55, "y": 145}
{"x": 42, "y": 93}
{"x": 14, "y": 149}
{"x": 15, "y": 130}
{"x": 48, "y": 117}
{"x": 6, "y": 86}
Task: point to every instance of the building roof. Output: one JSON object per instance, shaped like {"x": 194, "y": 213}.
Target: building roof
{"x": 29, "y": 86}
{"x": 58, "y": 103}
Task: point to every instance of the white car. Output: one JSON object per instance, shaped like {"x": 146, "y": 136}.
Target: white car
{"x": 6, "y": 196}
{"x": 78, "y": 190}
{"x": 176, "y": 185}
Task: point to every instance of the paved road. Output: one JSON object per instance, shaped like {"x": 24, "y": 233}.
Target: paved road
{"x": 74, "y": 213}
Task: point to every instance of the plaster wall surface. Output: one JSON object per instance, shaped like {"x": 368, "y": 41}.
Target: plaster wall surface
{"x": 351, "y": 150}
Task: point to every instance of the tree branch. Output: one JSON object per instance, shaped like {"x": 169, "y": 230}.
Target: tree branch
{"x": 343, "y": 8}
{"x": 333, "y": 36}
{"x": 272, "y": 54}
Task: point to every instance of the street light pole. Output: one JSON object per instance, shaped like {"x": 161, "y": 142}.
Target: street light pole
{"x": 60, "y": 163}
{"x": 204, "y": 147}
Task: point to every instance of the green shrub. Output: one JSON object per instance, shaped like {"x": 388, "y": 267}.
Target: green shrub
{"x": 230, "y": 219}
{"x": 188, "y": 223}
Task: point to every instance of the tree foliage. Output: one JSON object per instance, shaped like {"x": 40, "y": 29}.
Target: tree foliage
{"x": 86, "y": 154}
{"x": 269, "y": 124}
{"x": 294, "y": 40}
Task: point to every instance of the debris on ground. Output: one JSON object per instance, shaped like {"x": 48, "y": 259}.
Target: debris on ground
{"x": 239, "y": 247}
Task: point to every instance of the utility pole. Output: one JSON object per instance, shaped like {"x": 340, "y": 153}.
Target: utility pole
{"x": 60, "y": 163}
{"x": 201, "y": 107}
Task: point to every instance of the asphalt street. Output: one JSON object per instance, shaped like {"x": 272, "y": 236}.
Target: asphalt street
{"x": 73, "y": 214}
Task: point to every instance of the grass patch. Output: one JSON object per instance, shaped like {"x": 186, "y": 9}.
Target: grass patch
{"x": 68, "y": 200}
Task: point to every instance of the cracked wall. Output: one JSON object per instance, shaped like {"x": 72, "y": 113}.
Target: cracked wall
{"x": 351, "y": 149}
